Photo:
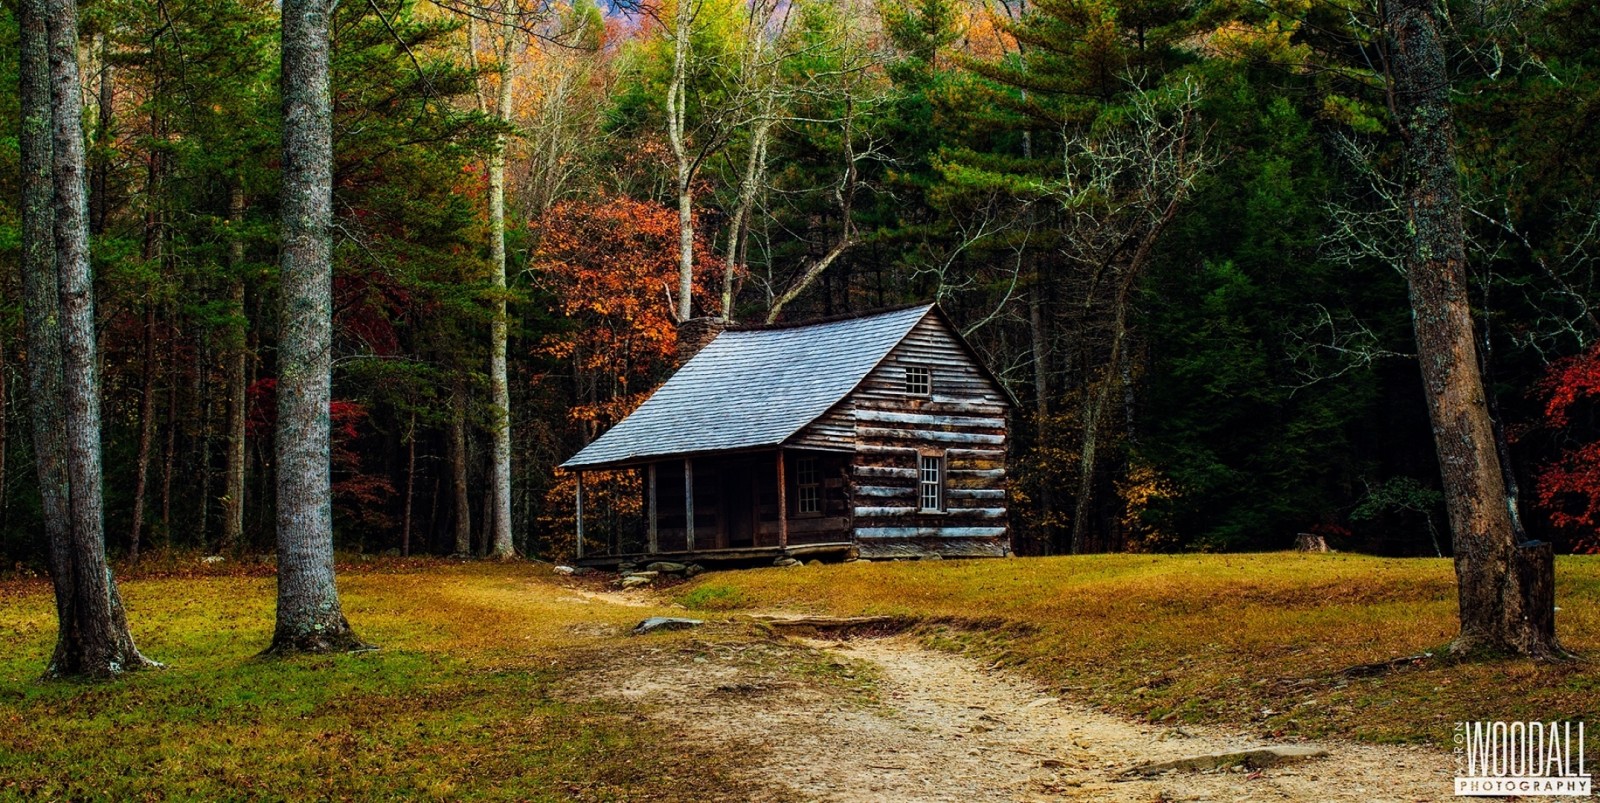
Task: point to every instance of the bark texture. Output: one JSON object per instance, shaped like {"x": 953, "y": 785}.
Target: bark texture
{"x": 237, "y": 352}
{"x": 93, "y": 640}
{"x": 1501, "y": 607}
{"x": 677, "y": 112}
{"x": 499, "y": 387}
{"x": 310, "y": 618}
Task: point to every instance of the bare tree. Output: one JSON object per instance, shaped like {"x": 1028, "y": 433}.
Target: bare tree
{"x": 1119, "y": 190}
{"x": 310, "y": 618}
{"x": 686, "y": 162}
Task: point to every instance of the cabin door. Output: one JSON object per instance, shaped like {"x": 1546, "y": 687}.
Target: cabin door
{"x": 739, "y": 505}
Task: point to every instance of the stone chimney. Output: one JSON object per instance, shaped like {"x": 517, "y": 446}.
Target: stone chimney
{"x": 695, "y": 333}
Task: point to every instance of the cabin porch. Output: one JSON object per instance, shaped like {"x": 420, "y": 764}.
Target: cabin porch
{"x": 716, "y": 507}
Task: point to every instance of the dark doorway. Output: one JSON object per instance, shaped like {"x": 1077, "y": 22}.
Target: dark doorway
{"x": 739, "y": 504}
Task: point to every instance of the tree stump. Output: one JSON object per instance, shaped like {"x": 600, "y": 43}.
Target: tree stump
{"x": 1311, "y": 542}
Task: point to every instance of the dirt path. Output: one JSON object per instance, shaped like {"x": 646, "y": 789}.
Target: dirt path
{"x": 886, "y": 720}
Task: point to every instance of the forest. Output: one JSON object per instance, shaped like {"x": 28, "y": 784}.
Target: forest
{"x": 1177, "y": 229}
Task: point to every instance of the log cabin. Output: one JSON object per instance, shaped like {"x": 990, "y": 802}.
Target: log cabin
{"x": 878, "y": 435}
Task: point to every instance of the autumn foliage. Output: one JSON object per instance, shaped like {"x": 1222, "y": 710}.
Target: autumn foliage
{"x": 1568, "y": 487}
{"x": 610, "y": 266}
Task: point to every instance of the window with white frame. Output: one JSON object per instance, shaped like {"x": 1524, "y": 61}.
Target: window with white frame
{"x": 919, "y": 380}
{"x": 930, "y": 482}
{"x": 808, "y": 486}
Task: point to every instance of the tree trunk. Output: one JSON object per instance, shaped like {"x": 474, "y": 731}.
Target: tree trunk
{"x": 94, "y": 638}
{"x": 1095, "y": 401}
{"x": 141, "y": 467}
{"x": 102, "y": 138}
{"x": 1501, "y": 607}
{"x": 41, "y": 307}
{"x": 755, "y": 169}
{"x": 458, "y": 473}
{"x": 309, "y": 617}
{"x": 169, "y": 453}
{"x": 237, "y": 353}
{"x": 411, "y": 484}
{"x": 677, "y": 111}
{"x": 499, "y": 387}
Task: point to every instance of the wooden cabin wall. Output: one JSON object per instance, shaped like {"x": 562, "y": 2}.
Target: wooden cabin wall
{"x": 831, "y": 524}
{"x": 963, "y": 418}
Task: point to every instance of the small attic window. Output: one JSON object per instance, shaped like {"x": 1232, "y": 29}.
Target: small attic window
{"x": 919, "y": 381}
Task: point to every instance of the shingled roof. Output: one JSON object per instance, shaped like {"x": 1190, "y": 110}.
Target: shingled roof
{"x": 752, "y": 388}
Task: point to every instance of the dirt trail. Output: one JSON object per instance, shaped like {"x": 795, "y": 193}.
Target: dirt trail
{"x": 931, "y": 726}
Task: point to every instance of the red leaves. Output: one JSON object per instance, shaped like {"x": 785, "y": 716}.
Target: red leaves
{"x": 1568, "y": 487}
{"x": 357, "y": 495}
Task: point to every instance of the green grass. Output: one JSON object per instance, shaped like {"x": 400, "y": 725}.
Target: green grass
{"x": 462, "y": 702}
{"x": 1258, "y": 641}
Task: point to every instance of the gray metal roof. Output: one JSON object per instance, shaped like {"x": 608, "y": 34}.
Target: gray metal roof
{"x": 752, "y": 388}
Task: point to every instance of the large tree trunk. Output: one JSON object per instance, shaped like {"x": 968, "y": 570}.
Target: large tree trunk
{"x": 499, "y": 387}
{"x": 1501, "y": 608}
{"x": 234, "y": 463}
{"x": 310, "y": 618}
{"x": 41, "y": 307}
{"x": 94, "y": 638}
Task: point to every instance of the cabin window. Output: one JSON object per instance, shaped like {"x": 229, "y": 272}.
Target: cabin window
{"x": 808, "y": 486}
{"x": 919, "y": 381}
{"x": 930, "y": 484}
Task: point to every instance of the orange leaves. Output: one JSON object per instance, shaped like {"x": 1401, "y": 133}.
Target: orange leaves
{"x": 611, "y": 266}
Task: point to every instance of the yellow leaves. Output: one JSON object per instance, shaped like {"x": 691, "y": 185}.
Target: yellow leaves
{"x": 1265, "y": 41}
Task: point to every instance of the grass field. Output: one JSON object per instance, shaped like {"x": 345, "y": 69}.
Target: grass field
{"x": 460, "y": 702}
{"x": 1254, "y": 640}
{"x": 471, "y": 696}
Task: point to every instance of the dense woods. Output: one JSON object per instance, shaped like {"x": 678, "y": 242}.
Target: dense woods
{"x": 1179, "y": 230}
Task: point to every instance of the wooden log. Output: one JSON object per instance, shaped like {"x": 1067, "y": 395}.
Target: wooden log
{"x": 970, "y": 473}
{"x": 879, "y": 449}
{"x": 885, "y": 472}
{"x": 945, "y": 406}
{"x": 926, "y": 435}
{"x": 975, "y": 493}
{"x": 928, "y": 419}
{"x": 888, "y": 491}
{"x": 973, "y": 512}
{"x": 929, "y": 532}
{"x": 975, "y": 454}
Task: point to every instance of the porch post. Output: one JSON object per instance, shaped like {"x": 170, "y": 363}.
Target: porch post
{"x": 580, "y": 515}
{"x": 783, "y": 505}
{"x": 650, "y": 481}
{"x": 688, "y": 503}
